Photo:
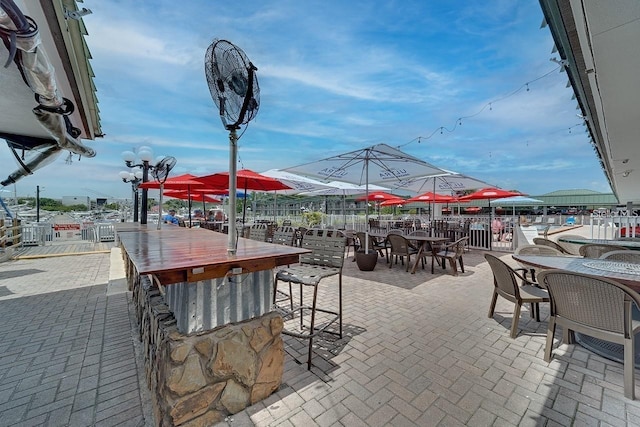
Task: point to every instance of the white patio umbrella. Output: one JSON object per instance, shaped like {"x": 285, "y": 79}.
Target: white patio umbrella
{"x": 378, "y": 164}
{"x": 442, "y": 184}
{"x": 299, "y": 184}
{"x": 449, "y": 184}
{"x": 517, "y": 201}
{"x": 344, "y": 189}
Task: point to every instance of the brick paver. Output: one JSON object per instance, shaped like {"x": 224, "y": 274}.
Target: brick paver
{"x": 418, "y": 350}
{"x": 421, "y": 351}
{"x": 67, "y": 349}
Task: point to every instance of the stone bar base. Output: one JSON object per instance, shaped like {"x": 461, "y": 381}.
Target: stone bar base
{"x": 198, "y": 379}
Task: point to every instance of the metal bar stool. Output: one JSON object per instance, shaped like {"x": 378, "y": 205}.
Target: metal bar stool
{"x": 325, "y": 260}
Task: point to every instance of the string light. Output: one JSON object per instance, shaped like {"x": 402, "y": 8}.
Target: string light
{"x": 489, "y": 104}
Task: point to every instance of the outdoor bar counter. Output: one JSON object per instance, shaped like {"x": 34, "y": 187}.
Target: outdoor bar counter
{"x": 210, "y": 340}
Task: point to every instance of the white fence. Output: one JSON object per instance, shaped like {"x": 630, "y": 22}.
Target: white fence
{"x": 38, "y": 234}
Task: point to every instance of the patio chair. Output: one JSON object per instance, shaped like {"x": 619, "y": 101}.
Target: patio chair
{"x": 505, "y": 284}
{"x": 550, "y": 243}
{"x": 632, "y": 257}
{"x": 284, "y": 236}
{"x": 325, "y": 260}
{"x": 572, "y": 248}
{"x": 597, "y": 307}
{"x": 451, "y": 252}
{"x": 401, "y": 248}
{"x": 541, "y": 250}
{"x": 258, "y": 232}
{"x": 596, "y": 250}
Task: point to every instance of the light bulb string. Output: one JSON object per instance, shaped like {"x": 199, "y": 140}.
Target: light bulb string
{"x": 489, "y": 104}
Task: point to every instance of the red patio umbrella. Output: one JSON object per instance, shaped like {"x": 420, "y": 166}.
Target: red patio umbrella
{"x": 490, "y": 193}
{"x": 377, "y": 196}
{"x": 180, "y": 182}
{"x": 245, "y": 179}
{"x": 394, "y": 202}
{"x": 196, "y": 196}
{"x": 185, "y": 182}
{"x": 430, "y": 197}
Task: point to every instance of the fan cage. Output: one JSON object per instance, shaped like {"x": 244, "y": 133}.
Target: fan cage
{"x": 232, "y": 82}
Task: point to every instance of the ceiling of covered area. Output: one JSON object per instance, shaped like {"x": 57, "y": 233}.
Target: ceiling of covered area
{"x": 601, "y": 42}
{"x": 63, "y": 40}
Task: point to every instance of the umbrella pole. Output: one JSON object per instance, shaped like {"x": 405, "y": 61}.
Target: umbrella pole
{"x": 232, "y": 238}
{"x": 189, "y": 205}
{"x": 160, "y": 208}
{"x": 244, "y": 205}
{"x": 366, "y": 212}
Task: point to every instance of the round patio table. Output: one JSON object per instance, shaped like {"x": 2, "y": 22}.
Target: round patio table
{"x": 625, "y": 273}
{"x": 629, "y": 244}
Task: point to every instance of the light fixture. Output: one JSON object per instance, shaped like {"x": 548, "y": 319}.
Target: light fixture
{"x": 145, "y": 154}
{"x": 135, "y": 178}
{"x": 627, "y": 172}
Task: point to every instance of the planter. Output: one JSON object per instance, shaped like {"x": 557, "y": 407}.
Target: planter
{"x": 366, "y": 262}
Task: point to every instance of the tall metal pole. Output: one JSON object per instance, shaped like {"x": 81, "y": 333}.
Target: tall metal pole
{"x": 37, "y": 203}
{"x": 145, "y": 178}
{"x": 136, "y": 201}
{"x": 233, "y": 153}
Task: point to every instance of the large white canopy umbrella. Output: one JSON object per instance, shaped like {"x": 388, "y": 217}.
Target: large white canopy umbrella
{"x": 378, "y": 164}
{"x": 298, "y": 183}
{"x": 442, "y": 184}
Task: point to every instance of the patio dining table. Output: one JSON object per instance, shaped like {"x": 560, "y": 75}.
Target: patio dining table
{"x": 426, "y": 243}
{"x": 625, "y": 273}
{"x": 629, "y": 244}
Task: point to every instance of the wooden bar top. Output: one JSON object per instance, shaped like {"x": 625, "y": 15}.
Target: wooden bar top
{"x": 177, "y": 254}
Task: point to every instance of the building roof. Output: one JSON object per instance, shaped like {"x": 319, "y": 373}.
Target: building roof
{"x": 598, "y": 43}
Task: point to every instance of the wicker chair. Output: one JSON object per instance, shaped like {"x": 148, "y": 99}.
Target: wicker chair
{"x": 597, "y": 307}
{"x": 550, "y": 243}
{"x": 596, "y": 250}
{"x": 325, "y": 260}
{"x": 632, "y": 257}
{"x": 505, "y": 284}
{"x": 451, "y": 252}
{"x": 541, "y": 250}
{"x": 572, "y": 248}
{"x": 401, "y": 248}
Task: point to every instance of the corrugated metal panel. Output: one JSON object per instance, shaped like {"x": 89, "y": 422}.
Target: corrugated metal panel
{"x": 209, "y": 303}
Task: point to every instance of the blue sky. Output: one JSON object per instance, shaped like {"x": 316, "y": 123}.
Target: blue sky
{"x": 334, "y": 76}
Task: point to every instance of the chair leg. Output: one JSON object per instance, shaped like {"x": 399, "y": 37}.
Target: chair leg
{"x": 312, "y": 326}
{"x": 514, "y": 322}
{"x": 567, "y": 336}
{"x": 629, "y": 369}
{"x": 454, "y": 266}
{"x": 461, "y": 264}
{"x": 551, "y": 331}
{"x": 492, "y": 307}
{"x": 340, "y": 302}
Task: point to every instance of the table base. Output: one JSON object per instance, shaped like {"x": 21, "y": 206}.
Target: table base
{"x": 607, "y": 349}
